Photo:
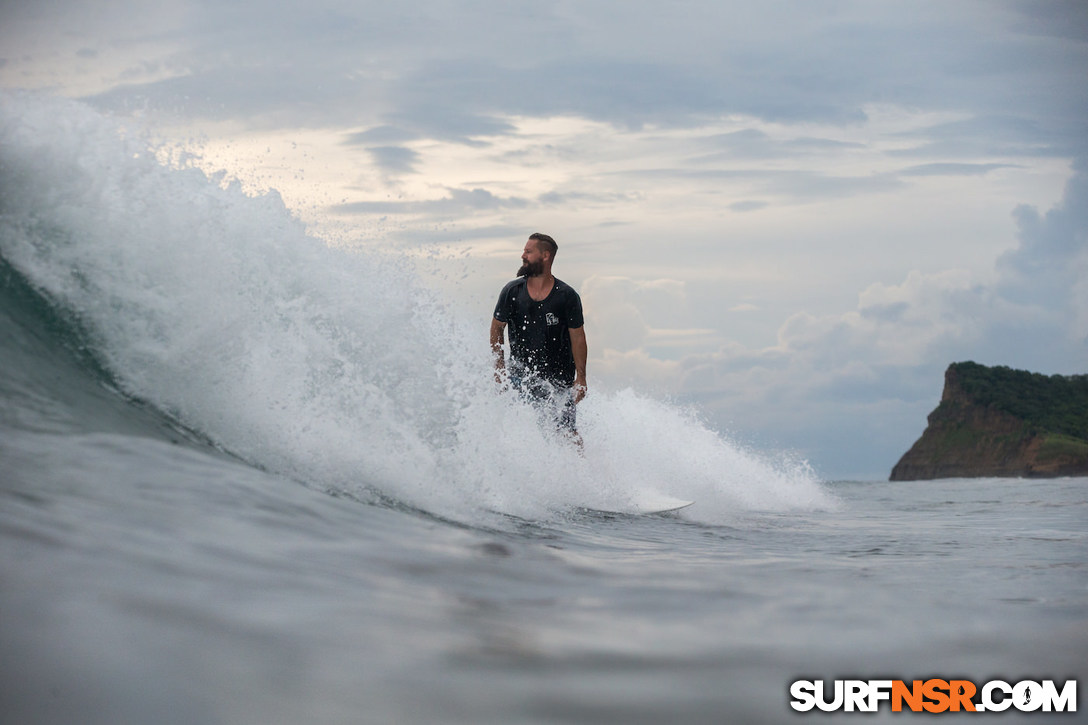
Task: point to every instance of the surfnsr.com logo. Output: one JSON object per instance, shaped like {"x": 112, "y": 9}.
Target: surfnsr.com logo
{"x": 933, "y": 696}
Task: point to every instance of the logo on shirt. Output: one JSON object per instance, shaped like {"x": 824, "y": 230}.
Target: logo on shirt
{"x": 551, "y": 319}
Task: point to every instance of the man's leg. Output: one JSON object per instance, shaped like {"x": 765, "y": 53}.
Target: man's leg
{"x": 566, "y": 420}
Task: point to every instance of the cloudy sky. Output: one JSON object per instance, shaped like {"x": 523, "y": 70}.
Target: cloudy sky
{"x": 793, "y": 215}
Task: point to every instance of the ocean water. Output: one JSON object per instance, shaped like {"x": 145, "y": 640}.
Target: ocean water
{"x": 247, "y": 477}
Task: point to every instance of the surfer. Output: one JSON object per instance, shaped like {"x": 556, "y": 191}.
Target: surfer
{"x": 543, "y": 316}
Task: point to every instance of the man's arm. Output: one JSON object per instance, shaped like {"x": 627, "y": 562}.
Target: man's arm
{"x": 578, "y": 347}
{"x": 496, "y": 347}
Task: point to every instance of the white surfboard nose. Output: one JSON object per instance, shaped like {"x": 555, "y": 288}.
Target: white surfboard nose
{"x": 648, "y": 502}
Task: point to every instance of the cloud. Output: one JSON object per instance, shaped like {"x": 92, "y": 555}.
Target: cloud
{"x": 384, "y": 134}
{"x": 864, "y": 379}
{"x": 454, "y": 72}
{"x": 754, "y": 143}
{"x": 997, "y": 134}
{"x": 954, "y": 169}
{"x": 394, "y": 159}
{"x": 626, "y": 310}
{"x": 1057, "y": 19}
{"x": 456, "y": 202}
{"x": 821, "y": 144}
{"x": 749, "y": 143}
{"x": 796, "y": 185}
{"x": 904, "y": 324}
{"x": 445, "y": 122}
{"x": 889, "y": 351}
{"x": 257, "y": 96}
{"x": 569, "y": 198}
{"x": 1048, "y": 268}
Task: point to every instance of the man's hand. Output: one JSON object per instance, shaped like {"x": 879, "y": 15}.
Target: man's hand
{"x": 579, "y": 390}
{"x": 496, "y": 350}
{"x": 579, "y": 349}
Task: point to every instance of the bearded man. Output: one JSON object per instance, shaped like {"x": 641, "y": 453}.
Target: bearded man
{"x": 543, "y": 317}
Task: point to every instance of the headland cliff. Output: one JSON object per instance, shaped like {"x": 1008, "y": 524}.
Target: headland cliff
{"x": 995, "y": 421}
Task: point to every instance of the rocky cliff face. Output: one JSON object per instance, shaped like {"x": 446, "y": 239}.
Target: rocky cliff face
{"x": 966, "y": 439}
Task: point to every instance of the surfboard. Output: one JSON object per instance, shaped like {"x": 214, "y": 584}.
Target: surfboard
{"x": 656, "y": 503}
{"x": 647, "y": 503}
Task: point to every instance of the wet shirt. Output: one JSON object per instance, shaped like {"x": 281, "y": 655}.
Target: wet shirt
{"x": 539, "y": 332}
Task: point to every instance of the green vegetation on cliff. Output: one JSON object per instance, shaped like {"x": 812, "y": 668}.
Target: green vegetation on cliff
{"x": 996, "y": 421}
{"x": 1051, "y": 403}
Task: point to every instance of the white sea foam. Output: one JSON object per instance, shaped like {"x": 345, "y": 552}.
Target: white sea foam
{"x": 338, "y": 368}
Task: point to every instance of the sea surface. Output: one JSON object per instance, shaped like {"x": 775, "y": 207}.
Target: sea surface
{"x": 249, "y": 477}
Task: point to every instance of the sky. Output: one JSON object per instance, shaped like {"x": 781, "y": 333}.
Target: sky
{"x": 791, "y": 216}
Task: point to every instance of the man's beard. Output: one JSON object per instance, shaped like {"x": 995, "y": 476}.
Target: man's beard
{"x": 531, "y": 269}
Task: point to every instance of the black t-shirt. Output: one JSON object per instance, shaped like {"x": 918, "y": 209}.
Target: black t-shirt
{"x": 539, "y": 332}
